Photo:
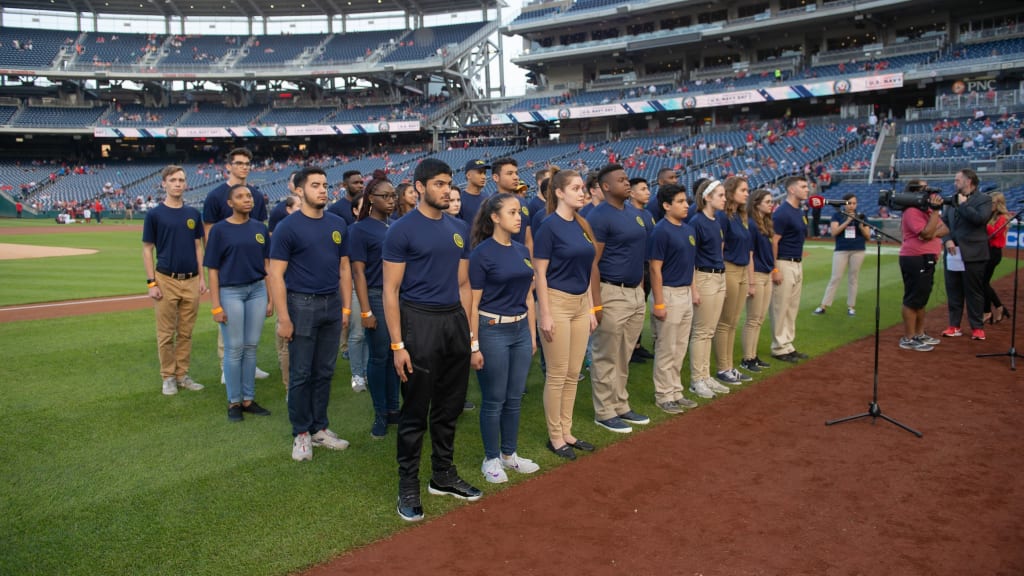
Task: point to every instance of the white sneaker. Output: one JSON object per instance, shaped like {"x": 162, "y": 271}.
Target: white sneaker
{"x": 301, "y": 448}
{"x": 329, "y": 439}
{"x": 222, "y": 379}
{"x": 170, "y": 386}
{"x": 358, "y": 384}
{"x": 519, "y": 464}
{"x": 700, "y": 388}
{"x": 261, "y": 374}
{"x": 188, "y": 383}
{"x": 716, "y": 386}
{"x": 493, "y": 471}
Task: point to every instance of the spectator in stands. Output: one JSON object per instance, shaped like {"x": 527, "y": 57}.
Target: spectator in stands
{"x": 620, "y": 241}
{"x": 502, "y": 313}
{"x": 365, "y": 244}
{"x": 790, "y": 226}
{"x": 174, "y": 279}
{"x": 967, "y": 242}
{"x": 236, "y": 259}
{"x": 759, "y": 213}
{"x": 998, "y": 231}
{"x": 308, "y": 264}
{"x": 851, "y": 242}
{"x": 476, "y": 179}
{"x": 97, "y": 208}
{"x": 737, "y": 252}
{"x": 921, "y": 229}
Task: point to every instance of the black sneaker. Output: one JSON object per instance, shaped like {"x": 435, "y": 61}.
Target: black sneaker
{"x": 235, "y": 413}
{"x": 799, "y": 355}
{"x": 634, "y": 418}
{"x": 761, "y": 363}
{"x": 750, "y": 365}
{"x": 636, "y": 358}
{"x": 643, "y": 352}
{"x": 409, "y": 508}
{"x": 787, "y": 357}
{"x": 380, "y": 427}
{"x": 459, "y": 488}
{"x": 254, "y": 408}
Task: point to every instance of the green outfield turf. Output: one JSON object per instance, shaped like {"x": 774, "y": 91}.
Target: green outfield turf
{"x": 104, "y": 475}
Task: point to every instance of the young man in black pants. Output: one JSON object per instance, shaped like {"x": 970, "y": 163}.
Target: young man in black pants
{"x": 426, "y": 260}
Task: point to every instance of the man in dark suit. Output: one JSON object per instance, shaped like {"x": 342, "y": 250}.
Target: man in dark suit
{"x": 968, "y": 240}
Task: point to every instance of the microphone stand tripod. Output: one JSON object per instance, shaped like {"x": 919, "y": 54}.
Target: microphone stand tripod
{"x": 874, "y": 410}
{"x": 1012, "y": 352}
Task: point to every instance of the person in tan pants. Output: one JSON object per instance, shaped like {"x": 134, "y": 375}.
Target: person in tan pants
{"x": 562, "y": 259}
{"x": 790, "y": 230}
{"x": 739, "y": 274}
{"x": 709, "y": 287}
{"x": 759, "y": 212}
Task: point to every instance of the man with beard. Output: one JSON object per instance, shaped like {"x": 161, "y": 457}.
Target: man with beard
{"x": 353, "y": 183}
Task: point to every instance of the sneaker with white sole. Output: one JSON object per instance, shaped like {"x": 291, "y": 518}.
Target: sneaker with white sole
{"x": 519, "y": 464}
{"x": 914, "y": 344}
{"x": 851, "y": 312}
{"x": 700, "y": 388}
{"x": 302, "y": 448}
{"x": 262, "y": 374}
{"x": 358, "y": 383}
{"x": 328, "y": 439}
{"x": 686, "y": 403}
{"x": 670, "y": 407}
{"x": 170, "y": 386}
{"x": 223, "y": 380}
{"x": 819, "y": 310}
{"x": 922, "y": 337}
{"x": 743, "y": 377}
{"x": 716, "y": 386}
{"x": 614, "y": 424}
{"x": 493, "y": 471}
{"x": 188, "y": 383}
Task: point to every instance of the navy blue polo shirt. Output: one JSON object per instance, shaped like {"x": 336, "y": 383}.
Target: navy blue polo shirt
{"x": 625, "y": 242}
{"x": 365, "y": 244}
{"x": 313, "y": 249}
{"x": 504, "y": 274}
{"x": 585, "y": 210}
{"x": 237, "y": 252}
{"x": 676, "y": 248}
{"x": 538, "y": 211}
{"x": 764, "y": 261}
{"x": 709, "y": 237}
{"x": 569, "y": 252}
{"x": 277, "y": 214}
{"x": 215, "y": 207}
{"x": 791, "y": 224}
{"x": 655, "y": 208}
{"x": 525, "y": 211}
{"x": 737, "y": 238}
{"x": 471, "y": 205}
{"x": 851, "y": 238}
{"x": 174, "y": 232}
{"x": 431, "y": 251}
{"x": 343, "y": 209}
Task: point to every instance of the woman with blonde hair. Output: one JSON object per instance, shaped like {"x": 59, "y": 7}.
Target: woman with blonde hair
{"x": 738, "y": 276}
{"x": 708, "y": 287}
{"x": 759, "y": 213}
{"x": 994, "y": 309}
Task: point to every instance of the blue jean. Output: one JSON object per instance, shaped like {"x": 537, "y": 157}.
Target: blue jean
{"x": 507, "y": 350}
{"x": 358, "y": 350}
{"x": 246, "y": 308}
{"x": 313, "y": 352}
{"x": 382, "y": 380}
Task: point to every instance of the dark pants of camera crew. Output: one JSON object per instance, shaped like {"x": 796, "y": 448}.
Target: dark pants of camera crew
{"x": 969, "y": 285}
{"x": 438, "y": 343}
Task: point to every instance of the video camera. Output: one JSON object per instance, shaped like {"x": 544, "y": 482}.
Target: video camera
{"x": 912, "y": 198}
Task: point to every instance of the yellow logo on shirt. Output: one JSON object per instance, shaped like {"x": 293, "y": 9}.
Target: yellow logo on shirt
{"x": 458, "y": 240}
{"x": 805, "y": 220}
{"x": 721, "y": 233}
{"x": 191, "y": 224}
{"x": 640, "y": 221}
{"x": 526, "y": 211}
{"x": 693, "y": 241}
{"x": 528, "y": 263}
{"x": 260, "y": 239}
{"x": 587, "y": 237}
{"x": 336, "y": 236}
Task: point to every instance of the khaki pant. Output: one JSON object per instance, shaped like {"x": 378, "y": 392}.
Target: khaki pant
{"x": 757, "y": 309}
{"x": 564, "y": 357}
{"x": 622, "y": 320}
{"x": 737, "y": 282}
{"x": 841, "y": 259}
{"x": 175, "y": 317}
{"x": 672, "y": 342}
{"x": 711, "y": 288}
{"x": 785, "y": 306}
{"x": 282, "y": 355}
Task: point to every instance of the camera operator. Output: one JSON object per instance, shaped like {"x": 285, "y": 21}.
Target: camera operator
{"x": 922, "y": 228}
{"x": 851, "y": 242}
{"x": 968, "y": 238}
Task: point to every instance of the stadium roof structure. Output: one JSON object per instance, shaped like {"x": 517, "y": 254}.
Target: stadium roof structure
{"x": 253, "y": 8}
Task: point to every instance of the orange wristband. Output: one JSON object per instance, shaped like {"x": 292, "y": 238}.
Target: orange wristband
{"x": 346, "y": 311}
{"x": 596, "y": 309}
{"x": 397, "y": 345}
{"x": 659, "y": 306}
{"x": 216, "y": 310}
{"x": 366, "y": 314}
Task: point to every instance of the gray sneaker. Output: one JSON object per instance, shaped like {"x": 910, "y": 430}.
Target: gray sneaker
{"x": 670, "y": 407}
{"x": 188, "y": 383}
{"x": 170, "y": 386}
{"x": 913, "y": 344}
{"x": 716, "y": 386}
{"x": 686, "y": 403}
{"x": 926, "y": 339}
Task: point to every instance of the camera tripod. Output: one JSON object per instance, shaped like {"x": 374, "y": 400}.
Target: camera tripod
{"x": 874, "y": 410}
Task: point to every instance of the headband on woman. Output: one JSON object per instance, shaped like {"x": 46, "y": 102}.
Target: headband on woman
{"x": 714, "y": 184}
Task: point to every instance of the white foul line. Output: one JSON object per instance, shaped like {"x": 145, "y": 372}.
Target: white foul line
{"x": 73, "y": 303}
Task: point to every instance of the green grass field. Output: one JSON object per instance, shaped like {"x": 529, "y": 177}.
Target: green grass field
{"x": 105, "y": 475}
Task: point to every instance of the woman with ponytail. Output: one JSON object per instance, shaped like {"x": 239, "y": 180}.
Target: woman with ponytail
{"x": 709, "y": 287}
{"x": 501, "y": 279}
{"x": 759, "y": 212}
{"x": 738, "y": 276}
{"x": 366, "y": 239}
{"x": 563, "y": 259}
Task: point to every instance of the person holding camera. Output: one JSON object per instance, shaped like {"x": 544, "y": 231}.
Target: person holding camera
{"x": 922, "y": 229}
{"x": 967, "y": 242}
{"x": 851, "y": 241}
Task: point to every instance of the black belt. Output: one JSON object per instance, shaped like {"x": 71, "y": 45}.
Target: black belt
{"x": 311, "y": 294}
{"x": 620, "y": 284}
{"x": 790, "y": 259}
{"x": 178, "y": 275}
{"x": 710, "y": 270}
